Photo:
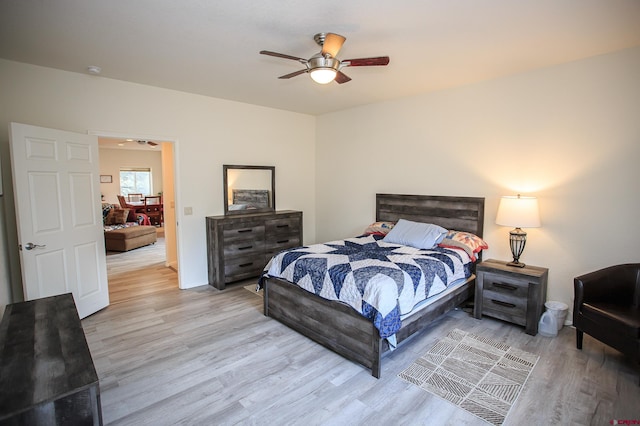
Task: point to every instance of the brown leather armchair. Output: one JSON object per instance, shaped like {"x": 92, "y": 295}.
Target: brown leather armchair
{"x": 607, "y": 307}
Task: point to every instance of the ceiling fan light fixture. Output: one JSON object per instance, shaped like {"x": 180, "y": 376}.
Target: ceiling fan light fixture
{"x": 323, "y": 75}
{"x": 324, "y": 67}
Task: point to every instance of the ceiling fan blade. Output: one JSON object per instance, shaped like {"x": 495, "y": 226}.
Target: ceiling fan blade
{"x": 151, "y": 143}
{"x": 293, "y": 74}
{"x": 282, "y": 55}
{"x": 342, "y": 77}
{"x": 332, "y": 44}
{"x": 366, "y": 62}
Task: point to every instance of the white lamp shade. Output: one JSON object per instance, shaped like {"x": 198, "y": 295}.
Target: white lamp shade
{"x": 519, "y": 212}
{"x": 323, "y": 75}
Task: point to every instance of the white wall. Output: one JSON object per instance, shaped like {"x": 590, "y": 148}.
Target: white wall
{"x": 112, "y": 160}
{"x": 207, "y": 132}
{"x": 568, "y": 134}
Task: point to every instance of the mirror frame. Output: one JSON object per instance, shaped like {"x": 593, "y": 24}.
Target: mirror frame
{"x": 225, "y": 183}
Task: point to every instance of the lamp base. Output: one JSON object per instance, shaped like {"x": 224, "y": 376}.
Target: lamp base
{"x": 517, "y": 241}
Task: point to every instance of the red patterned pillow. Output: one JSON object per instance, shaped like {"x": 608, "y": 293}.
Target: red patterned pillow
{"x": 379, "y": 228}
{"x": 467, "y": 241}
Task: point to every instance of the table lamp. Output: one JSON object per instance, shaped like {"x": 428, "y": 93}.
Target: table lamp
{"x": 519, "y": 212}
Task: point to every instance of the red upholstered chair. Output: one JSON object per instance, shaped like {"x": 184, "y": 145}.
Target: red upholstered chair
{"x": 607, "y": 307}
{"x": 123, "y": 202}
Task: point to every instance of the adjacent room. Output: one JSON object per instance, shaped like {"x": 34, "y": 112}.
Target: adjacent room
{"x": 347, "y": 212}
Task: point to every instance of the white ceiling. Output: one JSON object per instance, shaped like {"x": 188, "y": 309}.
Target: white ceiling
{"x": 211, "y": 47}
{"x": 128, "y": 144}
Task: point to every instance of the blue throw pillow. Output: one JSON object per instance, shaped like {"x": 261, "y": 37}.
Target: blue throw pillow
{"x": 415, "y": 234}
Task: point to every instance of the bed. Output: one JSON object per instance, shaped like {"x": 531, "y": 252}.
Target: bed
{"x": 342, "y": 329}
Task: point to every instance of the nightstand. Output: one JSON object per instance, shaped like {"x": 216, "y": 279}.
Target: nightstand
{"x": 509, "y": 293}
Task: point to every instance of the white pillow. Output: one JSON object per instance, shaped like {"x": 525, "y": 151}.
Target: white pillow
{"x": 415, "y": 234}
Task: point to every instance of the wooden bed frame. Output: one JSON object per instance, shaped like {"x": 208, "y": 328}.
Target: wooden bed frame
{"x": 339, "y": 327}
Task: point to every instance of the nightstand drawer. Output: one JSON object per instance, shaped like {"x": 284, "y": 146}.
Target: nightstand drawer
{"x": 504, "y": 306}
{"x": 517, "y": 288}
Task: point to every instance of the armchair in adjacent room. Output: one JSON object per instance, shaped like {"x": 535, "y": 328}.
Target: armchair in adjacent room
{"x": 607, "y": 307}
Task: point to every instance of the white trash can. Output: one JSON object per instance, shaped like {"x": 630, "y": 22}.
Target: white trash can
{"x": 559, "y": 310}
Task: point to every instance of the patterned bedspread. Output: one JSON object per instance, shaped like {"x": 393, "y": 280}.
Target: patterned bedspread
{"x": 381, "y": 281}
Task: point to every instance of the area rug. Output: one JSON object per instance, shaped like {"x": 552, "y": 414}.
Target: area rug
{"x": 480, "y": 375}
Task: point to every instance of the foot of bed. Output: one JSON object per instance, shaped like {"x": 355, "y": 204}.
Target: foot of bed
{"x": 375, "y": 371}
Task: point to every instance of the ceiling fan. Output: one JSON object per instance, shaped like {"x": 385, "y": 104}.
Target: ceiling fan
{"x": 150, "y": 143}
{"x": 324, "y": 67}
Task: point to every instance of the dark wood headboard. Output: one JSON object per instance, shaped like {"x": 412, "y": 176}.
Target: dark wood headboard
{"x": 457, "y": 213}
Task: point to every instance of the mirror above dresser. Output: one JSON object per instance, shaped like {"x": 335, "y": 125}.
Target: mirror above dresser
{"x": 249, "y": 189}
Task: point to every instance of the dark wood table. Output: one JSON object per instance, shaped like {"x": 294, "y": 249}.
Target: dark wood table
{"x": 153, "y": 211}
{"x": 47, "y": 374}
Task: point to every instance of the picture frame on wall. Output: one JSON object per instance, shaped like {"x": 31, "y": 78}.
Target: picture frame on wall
{"x": 106, "y": 179}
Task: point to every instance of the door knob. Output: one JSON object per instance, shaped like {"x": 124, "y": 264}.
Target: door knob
{"x": 31, "y": 246}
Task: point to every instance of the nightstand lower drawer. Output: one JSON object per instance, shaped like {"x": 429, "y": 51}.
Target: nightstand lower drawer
{"x": 504, "y": 306}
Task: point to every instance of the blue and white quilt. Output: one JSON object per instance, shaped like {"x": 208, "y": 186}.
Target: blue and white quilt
{"x": 381, "y": 281}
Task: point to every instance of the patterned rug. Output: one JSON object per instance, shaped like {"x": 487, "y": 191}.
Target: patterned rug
{"x": 477, "y": 374}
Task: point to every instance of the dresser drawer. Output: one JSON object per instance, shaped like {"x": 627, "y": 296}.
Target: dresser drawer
{"x": 272, "y": 250}
{"x": 237, "y": 268}
{"x": 244, "y": 247}
{"x": 282, "y": 242}
{"x": 282, "y": 226}
{"x": 246, "y": 232}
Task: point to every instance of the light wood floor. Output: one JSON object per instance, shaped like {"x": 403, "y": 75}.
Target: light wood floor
{"x": 201, "y": 356}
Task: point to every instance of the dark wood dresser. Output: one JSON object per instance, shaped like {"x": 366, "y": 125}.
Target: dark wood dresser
{"x": 47, "y": 374}
{"x": 239, "y": 246}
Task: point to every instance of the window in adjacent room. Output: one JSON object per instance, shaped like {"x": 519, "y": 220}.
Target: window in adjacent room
{"x": 135, "y": 181}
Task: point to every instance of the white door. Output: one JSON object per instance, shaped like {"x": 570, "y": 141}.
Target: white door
{"x": 59, "y": 215}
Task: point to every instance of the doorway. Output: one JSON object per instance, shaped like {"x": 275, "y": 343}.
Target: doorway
{"x": 118, "y": 152}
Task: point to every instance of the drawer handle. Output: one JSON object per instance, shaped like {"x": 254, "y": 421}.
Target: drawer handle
{"x": 242, "y": 231}
{"x": 245, "y": 248}
{"x": 282, "y": 226}
{"x": 506, "y": 286}
{"x": 283, "y": 241}
{"x": 501, "y": 303}
{"x": 244, "y": 265}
